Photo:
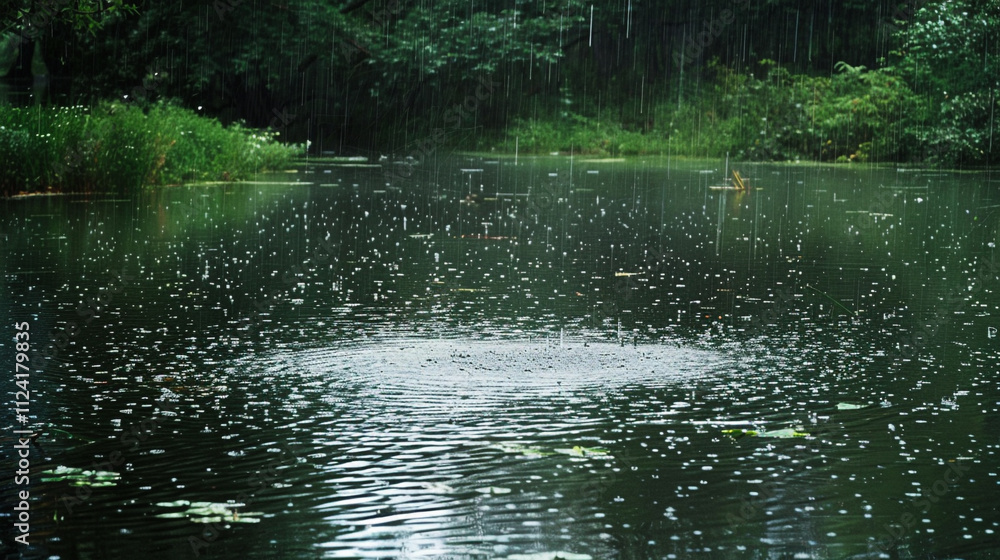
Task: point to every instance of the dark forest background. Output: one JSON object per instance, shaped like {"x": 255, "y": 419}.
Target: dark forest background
{"x": 828, "y": 80}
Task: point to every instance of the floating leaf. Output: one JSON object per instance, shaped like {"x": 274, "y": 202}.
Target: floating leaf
{"x": 850, "y": 406}
{"x": 737, "y": 434}
{"x": 536, "y": 453}
{"x": 493, "y": 490}
{"x": 579, "y": 451}
{"x": 210, "y": 512}
{"x": 249, "y": 517}
{"x": 437, "y": 487}
{"x": 204, "y": 509}
{"x": 178, "y": 503}
{"x": 522, "y": 449}
{"x": 783, "y": 433}
{"x": 80, "y": 477}
{"x": 575, "y": 451}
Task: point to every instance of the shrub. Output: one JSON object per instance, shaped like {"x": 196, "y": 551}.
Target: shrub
{"x": 121, "y": 147}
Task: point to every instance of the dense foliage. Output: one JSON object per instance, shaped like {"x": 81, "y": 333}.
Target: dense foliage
{"x": 30, "y": 19}
{"x": 832, "y": 80}
{"x": 115, "y": 147}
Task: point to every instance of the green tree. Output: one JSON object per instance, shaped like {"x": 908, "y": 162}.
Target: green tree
{"x": 382, "y": 71}
{"x": 31, "y": 18}
{"x": 948, "y": 53}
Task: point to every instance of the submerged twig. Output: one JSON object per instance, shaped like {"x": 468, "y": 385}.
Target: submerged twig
{"x": 837, "y": 303}
{"x": 71, "y": 436}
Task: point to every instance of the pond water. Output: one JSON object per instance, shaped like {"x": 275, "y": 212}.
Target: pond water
{"x": 489, "y": 358}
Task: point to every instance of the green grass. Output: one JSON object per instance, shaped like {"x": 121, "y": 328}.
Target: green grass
{"x": 855, "y": 115}
{"x": 580, "y": 135}
{"x": 119, "y": 148}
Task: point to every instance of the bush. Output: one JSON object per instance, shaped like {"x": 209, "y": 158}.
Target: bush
{"x": 957, "y": 136}
{"x": 856, "y": 115}
{"x": 121, "y": 147}
{"x": 572, "y": 133}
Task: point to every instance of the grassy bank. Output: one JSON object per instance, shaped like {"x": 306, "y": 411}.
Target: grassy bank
{"x": 855, "y": 115}
{"x": 119, "y": 148}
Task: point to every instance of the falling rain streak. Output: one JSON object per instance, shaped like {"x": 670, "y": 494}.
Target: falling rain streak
{"x": 496, "y": 350}
{"x": 462, "y": 280}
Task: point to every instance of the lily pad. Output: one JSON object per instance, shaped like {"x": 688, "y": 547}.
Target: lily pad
{"x": 81, "y": 477}
{"x": 850, "y": 406}
{"x": 210, "y": 512}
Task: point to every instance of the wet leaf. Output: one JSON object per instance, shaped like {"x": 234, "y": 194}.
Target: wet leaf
{"x": 493, "y": 490}
{"x": 174, "y": 515}
{"x": 783, "y": 433}
{"x": 210, "y": 512}
{"x": 580, "y": 451}
{"x": 437, "y": 487}
{"x": 737, "y": 434}
{"x": 850, "y": 406}
{"x": 80, "y": 477}
{"x": 178, "y": 503}
{"x": 522, "y": 449}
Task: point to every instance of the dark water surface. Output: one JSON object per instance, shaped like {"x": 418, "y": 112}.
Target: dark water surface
{"x": 479, "y": 359}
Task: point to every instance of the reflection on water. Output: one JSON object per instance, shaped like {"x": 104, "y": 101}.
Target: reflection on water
{"x": 472, "y": 446}
{"x": 486, "y": 361}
